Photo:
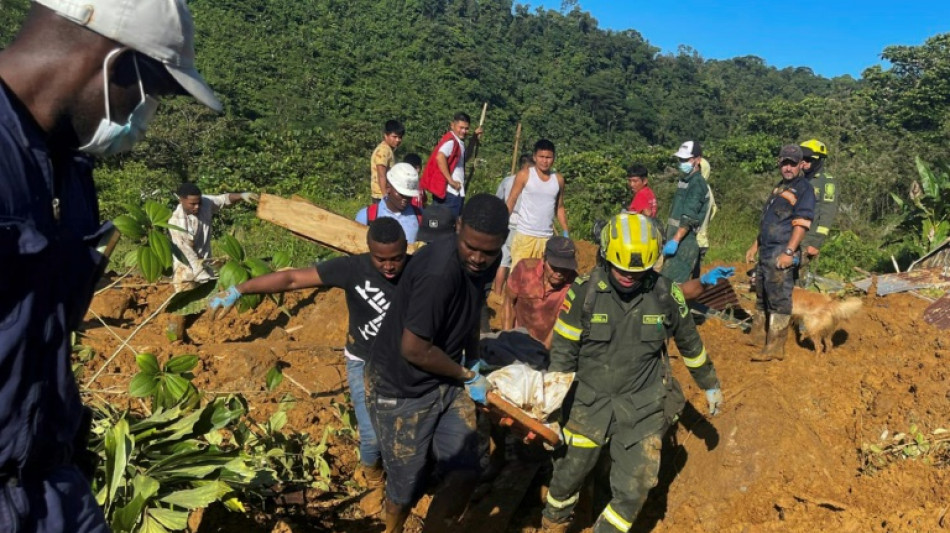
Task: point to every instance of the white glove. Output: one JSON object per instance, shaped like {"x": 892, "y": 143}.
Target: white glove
{"x": 250, "y": 197}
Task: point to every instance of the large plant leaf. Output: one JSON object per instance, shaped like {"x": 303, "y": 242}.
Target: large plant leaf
{"x": 143, "y": 385}
{"x": 174, "y": 520}
{"x": 149, "y": 264}
{"x": 280, "y": 260}
{"x": 138, "y": 214}
{"x": 127, "y": 517}
{"x": 232, "y": 274}
{"x": 118, "y": 445}
{"x": 200, "y": 496}
{"x": 129, "y": 227}
{"x": 232, "y": 247}
{"x": 257, "y": 267}
{"x": 175, "y": 386}
{"x": 161, "y": 246}
{"x": 927, "y": 181}
{"x": 181, "y": 363}
{"x": 157, "y": 213}
{"x": 151, "y": 525}
{"x": 147, "y": 362}
{"x": 191, "y": 301}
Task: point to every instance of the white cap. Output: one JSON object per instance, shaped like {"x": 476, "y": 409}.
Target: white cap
{"x": 160, "y": 29}
{"x": 688, "y": 150}
{"x": 404, "y": 178}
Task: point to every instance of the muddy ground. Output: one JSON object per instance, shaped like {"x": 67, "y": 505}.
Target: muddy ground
{"x": 785, "y": 455}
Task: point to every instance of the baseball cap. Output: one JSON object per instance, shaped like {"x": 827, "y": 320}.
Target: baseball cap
{"x": 404, "y": 178}
{"x": 160, "y": 29}
{"x": 689, "y": 149}
{"x": 559, "y": 252}
{"x": 437, "y": 221}
{"x": 791, "y": 152}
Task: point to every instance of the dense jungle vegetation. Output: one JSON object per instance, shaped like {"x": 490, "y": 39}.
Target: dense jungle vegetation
{"x": 307, "y": 86}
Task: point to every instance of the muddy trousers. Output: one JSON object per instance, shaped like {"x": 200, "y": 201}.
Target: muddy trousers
{"x": 680, "y": 267}
{"x": 773, "y": 287}
{"x": 633, "y": 472}
{"x": 58, "y": 501}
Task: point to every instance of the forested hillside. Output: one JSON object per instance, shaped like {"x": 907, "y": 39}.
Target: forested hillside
{"x": 307, "y": 86}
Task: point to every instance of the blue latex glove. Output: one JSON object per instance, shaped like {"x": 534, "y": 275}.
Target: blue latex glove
{"x": 714, "y": 397}
{"x": 477, "y": 387}
{"x": 225, "y": 299}
{"x": 671, "y": 247}
{"x": 566, "y": 234}
{"x": 713, "y": 276}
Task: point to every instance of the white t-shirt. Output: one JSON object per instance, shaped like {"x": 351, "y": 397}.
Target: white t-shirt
{"x": 458, "y": 173}
{"x": 504, "y": 190}
{"x": 195, "y": 241}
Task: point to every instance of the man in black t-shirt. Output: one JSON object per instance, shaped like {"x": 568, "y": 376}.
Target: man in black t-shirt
{"x": 418, "y": 367}
{"x": 369, "y": 281}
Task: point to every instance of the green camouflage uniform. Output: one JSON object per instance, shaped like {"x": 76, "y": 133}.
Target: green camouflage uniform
{"x": 625, "y": 393}
{"x": 826, "y": 209}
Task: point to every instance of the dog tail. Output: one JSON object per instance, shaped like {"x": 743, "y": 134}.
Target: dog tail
{"x": 846, "y": 308}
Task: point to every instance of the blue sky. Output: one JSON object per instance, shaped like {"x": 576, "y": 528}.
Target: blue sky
{"x": 836, "y": 38}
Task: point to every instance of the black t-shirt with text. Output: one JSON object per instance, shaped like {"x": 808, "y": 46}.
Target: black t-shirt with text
{"x": 435, "y": 300}
{"x": 368, "y": 296}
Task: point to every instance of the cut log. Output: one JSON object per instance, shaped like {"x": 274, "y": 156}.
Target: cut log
{"x": 314, "y": 223}
{"x": 524, "y": 421}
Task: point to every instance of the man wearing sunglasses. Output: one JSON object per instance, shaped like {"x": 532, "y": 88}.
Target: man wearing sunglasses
{"x": 786, "y": 218}
{"x": 81, "y": 79}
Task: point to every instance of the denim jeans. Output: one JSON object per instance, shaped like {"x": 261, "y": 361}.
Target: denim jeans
{"x": 451, "y": 201}
{"x": 369, "y": 444}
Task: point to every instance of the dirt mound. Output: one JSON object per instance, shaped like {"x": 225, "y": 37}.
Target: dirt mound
{"x": 785, "y": 455}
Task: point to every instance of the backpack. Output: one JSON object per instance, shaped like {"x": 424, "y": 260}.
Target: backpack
{"x": 432, "y": 179}
{"x": 372, "y": 212}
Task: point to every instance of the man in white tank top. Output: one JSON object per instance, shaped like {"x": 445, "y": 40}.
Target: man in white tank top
{"x": 541, "y": 195}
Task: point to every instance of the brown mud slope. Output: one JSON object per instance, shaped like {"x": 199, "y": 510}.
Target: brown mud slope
{"x": 785, "y": 455}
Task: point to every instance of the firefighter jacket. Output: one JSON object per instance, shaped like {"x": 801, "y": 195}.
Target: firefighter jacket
{"x": 826, "y": 209}
{"x": 618, "y": 350}
{"x": 690, "y": 204}
{"x": 792, "y": 203}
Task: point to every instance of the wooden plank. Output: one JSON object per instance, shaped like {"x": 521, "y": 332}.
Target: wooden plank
{"x": 314, "y": 223}
{"x": 493, "y": 512}
{"x": 523, "y": 419}
{"x": 938, "y": 313}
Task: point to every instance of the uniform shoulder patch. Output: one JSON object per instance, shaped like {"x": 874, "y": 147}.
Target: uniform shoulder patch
{"x": 829, "y": 195}
{"x": 677, "y": 294}
{"x": 580, "y": 280}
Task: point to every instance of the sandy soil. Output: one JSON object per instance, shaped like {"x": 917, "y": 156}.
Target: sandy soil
{"x": 785, "y": 455}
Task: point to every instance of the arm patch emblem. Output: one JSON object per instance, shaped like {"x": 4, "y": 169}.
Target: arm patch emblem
{"x": 680, "y": 299}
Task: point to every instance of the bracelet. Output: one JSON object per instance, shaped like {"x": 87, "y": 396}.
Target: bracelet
{"x": 789, "y": 251}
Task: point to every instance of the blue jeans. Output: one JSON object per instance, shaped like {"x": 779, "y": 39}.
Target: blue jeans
{"x": 56, "y": 501}
{"x": 451, "y": 201}
{"x": 440, "y": 422}
{"x": 369, "y": 444}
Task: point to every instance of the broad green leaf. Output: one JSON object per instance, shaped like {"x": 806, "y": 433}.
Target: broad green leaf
{"x": 249, "y": 301}
{"x": 118, "y": 445}
{"x": 149, "y": 264}
{"x": 277, "y": 421}
{"x": 150, "y": 525}
{"x": 176, "y": 386}
{"x": 200, "y": 496}
{"x": 232, "y": 274}
{"x": 232, "y": 247}
{"x": 138, "y": 214}
{"x": 174, "y": 520}
{"x": 126, "y": 518}
{"x": 257, "y": 267}
{"x": 147, "y": 362}
{"x": 129, "y": 227}
{"x": 280, "y": 260}
{"x": 157, "y": 212}
{"x": 191, "y": 301}
{"x": 897, "y": 200}
{"x": 131, "y": 258}
{"x": 143, "y": 385}
{"x": 161, "y": 247}
{"x": 274, "y": 377}
{"x": 181, "y": 363}
{"x": 927, "y": 181}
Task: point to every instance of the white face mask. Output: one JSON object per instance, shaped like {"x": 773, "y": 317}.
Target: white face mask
{"x": 111, "y": 138}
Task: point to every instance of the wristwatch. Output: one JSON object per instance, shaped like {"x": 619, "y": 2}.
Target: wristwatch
{"x": 789, "y": 251}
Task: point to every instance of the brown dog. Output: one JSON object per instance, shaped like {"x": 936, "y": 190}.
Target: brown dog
{"x": 820, "y": 315}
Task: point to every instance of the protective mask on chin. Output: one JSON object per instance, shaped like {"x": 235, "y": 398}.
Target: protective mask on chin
{"x": 686, "y": 167}
{"x": 111, "y": 138}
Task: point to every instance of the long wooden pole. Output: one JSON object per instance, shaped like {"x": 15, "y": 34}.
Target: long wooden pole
{"x": 481, "y": 121}
{"x": 514, "y": 153}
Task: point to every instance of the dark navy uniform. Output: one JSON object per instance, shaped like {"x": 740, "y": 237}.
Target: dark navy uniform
{"x": 791, "y": 204}
{"x": 49, "y": 230}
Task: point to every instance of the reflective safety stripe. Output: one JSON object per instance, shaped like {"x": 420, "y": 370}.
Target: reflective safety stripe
{"x": 696, "y": 362}
{"x": 568, "y": 332}
{"x": 673, "y": 222}
{"x": 822, "y": 230}
{"x": 561, "y": 504}
{"x": 616, "y": 520}
{"x": 577, "y": 440}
